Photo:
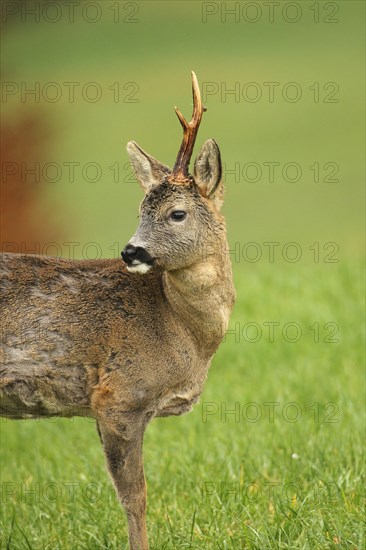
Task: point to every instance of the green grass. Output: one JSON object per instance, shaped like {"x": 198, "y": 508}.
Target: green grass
{"x": 294, "y": 485}
{"x": 217, "y": 481}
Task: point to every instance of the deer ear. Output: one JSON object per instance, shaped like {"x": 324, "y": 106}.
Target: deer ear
{"x": 148, "y": 171}
{"x": 208, "y": 172}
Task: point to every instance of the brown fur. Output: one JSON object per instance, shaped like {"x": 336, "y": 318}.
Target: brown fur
{"x": 90, "y": 338}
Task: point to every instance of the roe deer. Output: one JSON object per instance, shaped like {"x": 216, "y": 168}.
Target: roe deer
{"x": 125, "y": 343}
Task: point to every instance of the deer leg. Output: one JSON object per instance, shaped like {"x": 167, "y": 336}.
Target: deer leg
{"x": 125, "y": 465}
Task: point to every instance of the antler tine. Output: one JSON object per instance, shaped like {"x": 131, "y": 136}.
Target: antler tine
{"x": 198, "y": 108}
{"x": 182, "y": 120}
{"x": 190, "y": 129}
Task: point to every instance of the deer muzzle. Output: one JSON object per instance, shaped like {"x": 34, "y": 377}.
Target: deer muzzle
{"x": 137, "y": 259}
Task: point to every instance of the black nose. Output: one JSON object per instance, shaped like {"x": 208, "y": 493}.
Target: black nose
{"x": 129, "y": 253}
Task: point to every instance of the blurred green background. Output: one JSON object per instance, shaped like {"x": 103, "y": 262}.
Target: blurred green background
{"x": 146, "y": 51}
{"x": 156, "y": 54}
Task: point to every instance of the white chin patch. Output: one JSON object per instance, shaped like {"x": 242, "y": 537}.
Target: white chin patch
{"x": 138, "y": 267}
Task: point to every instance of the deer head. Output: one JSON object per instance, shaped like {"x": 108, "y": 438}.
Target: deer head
{"x": 180, "y": 215}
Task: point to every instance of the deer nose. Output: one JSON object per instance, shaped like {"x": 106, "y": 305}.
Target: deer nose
{"x": 129, "y": 253}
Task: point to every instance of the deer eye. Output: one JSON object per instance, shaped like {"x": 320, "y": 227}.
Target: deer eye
{"x": 178, "y": 215}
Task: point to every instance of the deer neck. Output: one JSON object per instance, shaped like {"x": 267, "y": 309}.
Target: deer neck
{"x": 202, "y": 297}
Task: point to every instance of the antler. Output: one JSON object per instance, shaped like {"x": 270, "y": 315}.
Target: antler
{"x": 190, "y": 130}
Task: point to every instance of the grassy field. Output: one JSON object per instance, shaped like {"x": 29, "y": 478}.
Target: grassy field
{"x": 272, "y": 457}
{"x": 284, "y": 471}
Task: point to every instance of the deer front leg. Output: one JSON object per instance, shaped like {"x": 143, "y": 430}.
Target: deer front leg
{"x": 125, "y": 465}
